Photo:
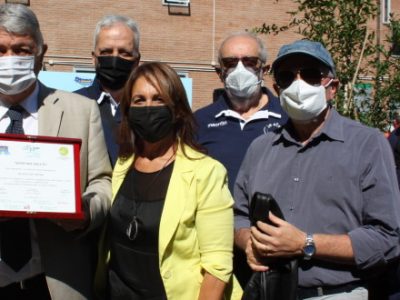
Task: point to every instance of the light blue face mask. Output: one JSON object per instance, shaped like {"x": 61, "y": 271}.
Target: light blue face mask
{"x": 241, "y": 82}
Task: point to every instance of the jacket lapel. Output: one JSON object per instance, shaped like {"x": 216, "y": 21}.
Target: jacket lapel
{"x": 49, "y": 112}
{"x": 175, "y": 201}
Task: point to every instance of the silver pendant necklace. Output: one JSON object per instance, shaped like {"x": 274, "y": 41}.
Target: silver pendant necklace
{"x": 133, "y": 228}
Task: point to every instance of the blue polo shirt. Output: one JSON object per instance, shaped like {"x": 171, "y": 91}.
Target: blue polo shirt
{"x": 226, "y": 135}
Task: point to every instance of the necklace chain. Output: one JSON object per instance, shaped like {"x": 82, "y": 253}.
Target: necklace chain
{"x": 133, "y": 227}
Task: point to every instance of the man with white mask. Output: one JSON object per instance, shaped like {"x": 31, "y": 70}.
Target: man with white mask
{"x": 245, "y": 110}
{"x": 334, "y": 180}
{"x": 43, "y": 258}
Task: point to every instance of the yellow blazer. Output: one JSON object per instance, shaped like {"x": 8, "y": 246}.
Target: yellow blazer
{"x": 196, "y": 228}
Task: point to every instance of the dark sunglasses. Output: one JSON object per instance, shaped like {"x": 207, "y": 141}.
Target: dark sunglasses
{"x": 247, "y": 61}
{"x": 312, "y": 76}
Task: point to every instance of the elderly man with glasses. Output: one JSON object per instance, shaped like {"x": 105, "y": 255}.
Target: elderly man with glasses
{"x": 245, "y": 110}
{"x": 333, "y": 178}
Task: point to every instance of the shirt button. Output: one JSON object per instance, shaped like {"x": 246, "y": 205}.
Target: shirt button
{"x": 296, "y": 179}
{"x": 167, "y": 275}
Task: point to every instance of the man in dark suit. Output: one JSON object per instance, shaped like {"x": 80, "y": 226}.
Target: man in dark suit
{"x": 59, "y": 264}
{"x": 115, "y": 55}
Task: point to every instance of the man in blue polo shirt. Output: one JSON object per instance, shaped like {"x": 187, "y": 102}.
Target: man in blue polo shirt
{"x": 244, "y": 111}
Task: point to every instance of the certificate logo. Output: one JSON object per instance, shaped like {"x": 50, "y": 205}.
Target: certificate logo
{"x": 63, "y": 151}
{"x": 4, "y": 150}
{"x": 31, "y": 150}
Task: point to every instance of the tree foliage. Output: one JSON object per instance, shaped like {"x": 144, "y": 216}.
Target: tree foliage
{"x": 387, "y": 79}
{"x": 344, "y": 28}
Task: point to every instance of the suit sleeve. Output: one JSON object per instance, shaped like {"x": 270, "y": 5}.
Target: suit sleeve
{"x": 214, "y": 220}
{"x": 97, "y": 194}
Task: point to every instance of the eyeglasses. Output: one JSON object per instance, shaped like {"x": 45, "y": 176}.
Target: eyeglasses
{"x": 312, "y": 76}
{"x": 247, "y": 61}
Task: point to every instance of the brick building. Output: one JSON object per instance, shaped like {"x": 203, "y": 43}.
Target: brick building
{"x": 187, "y": 37}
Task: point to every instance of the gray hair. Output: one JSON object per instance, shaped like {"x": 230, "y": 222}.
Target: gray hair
{"x": 262, "y": 51}
{"x": 18, "y": 19}
{"x": 111, "y": 20}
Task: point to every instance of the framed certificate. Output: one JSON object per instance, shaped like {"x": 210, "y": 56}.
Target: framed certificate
{"x": 40, "y": 177}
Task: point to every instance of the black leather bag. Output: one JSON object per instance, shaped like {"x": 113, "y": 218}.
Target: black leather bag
{"x": 280, "y": 281}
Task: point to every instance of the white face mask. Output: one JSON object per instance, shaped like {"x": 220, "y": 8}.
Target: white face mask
{"x": 16, "y": 74}
{"x": 241, "y": 82}
{"x": 302, "y": 101}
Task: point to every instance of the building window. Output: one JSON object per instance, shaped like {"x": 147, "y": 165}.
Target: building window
{"x": 176, "y": 2}
{"x": 385, "y": 10}
{"x": 24, "y": 2}
{"x": 395, "y": 39}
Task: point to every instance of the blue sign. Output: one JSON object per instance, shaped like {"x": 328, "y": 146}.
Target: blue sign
{"x": 72, "y": 81}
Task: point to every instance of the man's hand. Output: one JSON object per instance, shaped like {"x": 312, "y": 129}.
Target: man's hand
{"x": 243, "y": 242}
{"x": 253, "y": 258}
{"x": 281, "y": 240}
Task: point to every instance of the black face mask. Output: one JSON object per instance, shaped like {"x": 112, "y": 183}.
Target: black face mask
{"x": 113, "y": 71}
{"x": 151, "y": 123}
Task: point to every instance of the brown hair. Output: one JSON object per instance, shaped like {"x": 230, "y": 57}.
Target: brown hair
{"x": 169, "y": 85}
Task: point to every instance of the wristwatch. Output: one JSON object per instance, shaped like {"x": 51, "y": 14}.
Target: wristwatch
{"x": 309, "y": 247}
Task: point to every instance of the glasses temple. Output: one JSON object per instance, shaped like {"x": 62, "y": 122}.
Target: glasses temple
{"x": 329, "y": 83}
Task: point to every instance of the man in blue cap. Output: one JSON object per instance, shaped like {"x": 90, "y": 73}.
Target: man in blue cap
{"x": 333, "y": 178}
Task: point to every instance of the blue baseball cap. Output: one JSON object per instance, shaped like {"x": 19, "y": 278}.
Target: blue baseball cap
{"x": 313, "y": 49}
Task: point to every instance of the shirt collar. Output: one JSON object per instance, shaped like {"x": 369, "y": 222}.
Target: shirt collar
{"x": 105, "y": 95}
{"x": 30, "y": 104}
{"x": 332, "y": 128}
{"x": 264, "y": 113}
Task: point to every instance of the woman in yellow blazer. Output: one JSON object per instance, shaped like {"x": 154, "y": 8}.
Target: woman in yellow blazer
{"x": 171, "y": 223}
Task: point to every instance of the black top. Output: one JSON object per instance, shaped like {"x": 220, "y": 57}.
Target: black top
{"x": 134, "y": 268}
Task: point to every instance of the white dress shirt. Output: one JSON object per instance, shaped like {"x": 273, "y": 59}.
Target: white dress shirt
{"x": 30, "y": 124}
{"x": 114, "y": 104}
